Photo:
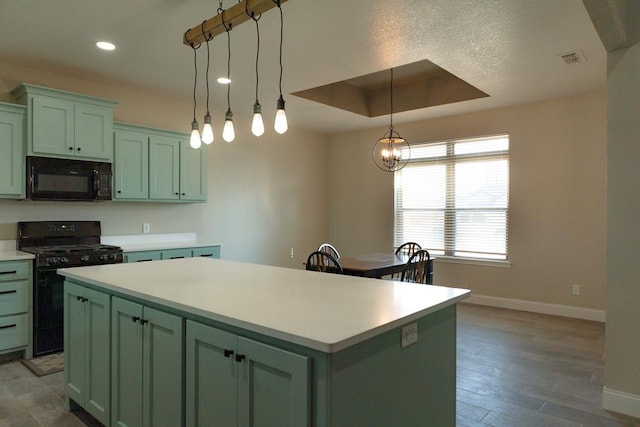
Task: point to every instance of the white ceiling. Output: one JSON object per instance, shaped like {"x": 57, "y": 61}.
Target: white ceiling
{"x": 506, "y": 48}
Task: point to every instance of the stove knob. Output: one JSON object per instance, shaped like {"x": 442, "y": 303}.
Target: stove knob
{"x": 112, "y": 256}
{"x": 84, "y": 258}
{"x": 53, "y": 260}
{"x": 64, "y": 260}
{"x": 103, "y": 257}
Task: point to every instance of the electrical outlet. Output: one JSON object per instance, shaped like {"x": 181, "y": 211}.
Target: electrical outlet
{"x": 146, "y": 227}
{"x": 575, "y": 289}
{"x": 409, "y": 334}
{"x": 291, "y": 253}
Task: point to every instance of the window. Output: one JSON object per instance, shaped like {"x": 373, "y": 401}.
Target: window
{"x": 453, "y": 198}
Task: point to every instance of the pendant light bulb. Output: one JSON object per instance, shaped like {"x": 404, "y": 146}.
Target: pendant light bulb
{"x": 228, "y": 132}
{"x": 257, "y": 125}
{"x": 195, "y": 136}
{"x": 280, "y": 124}
{"x": 207, "y": 130}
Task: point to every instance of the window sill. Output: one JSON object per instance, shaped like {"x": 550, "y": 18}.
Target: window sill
{"x": 473, "y": 261}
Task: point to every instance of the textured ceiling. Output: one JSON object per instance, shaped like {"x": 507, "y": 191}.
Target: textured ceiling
{"x": 505, "y": 48}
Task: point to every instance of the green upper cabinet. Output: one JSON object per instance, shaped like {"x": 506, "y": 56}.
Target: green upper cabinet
{"x": 193, "y": 172}
{"x": 131, "y": 164}
{"x": 157, "y": 165}
{"x": 164, "y": 164}
{"x": 12, "y": 125}
{"x": 64, "y": 124}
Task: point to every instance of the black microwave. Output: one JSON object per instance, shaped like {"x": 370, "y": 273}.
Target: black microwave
{"x": 67, "y": 179}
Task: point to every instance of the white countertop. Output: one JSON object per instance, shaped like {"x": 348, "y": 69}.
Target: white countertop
{"x": 150, "y": 242}
{"x": 8, "y": 251}
{"x": 326, "y": 312}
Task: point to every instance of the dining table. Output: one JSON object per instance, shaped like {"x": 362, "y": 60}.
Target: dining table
{"x": 376, "y": 265}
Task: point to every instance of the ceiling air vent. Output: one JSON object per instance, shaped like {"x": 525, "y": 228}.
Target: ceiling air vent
{"x": 574, "y": 57}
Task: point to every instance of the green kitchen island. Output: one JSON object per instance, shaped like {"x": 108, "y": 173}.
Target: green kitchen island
{"x": 207, "y": 342}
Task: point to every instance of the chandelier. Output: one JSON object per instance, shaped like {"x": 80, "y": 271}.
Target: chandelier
{"x": 224, "y": 22}
{"x": 392, "y": 152}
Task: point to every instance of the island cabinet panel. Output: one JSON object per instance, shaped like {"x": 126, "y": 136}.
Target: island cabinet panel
{"x": 235, "y": 381}
{"x": 147, "y": 366}
{"x": 87, "y": 356}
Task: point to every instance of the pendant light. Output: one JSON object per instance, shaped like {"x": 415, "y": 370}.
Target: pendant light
{"x": 207, "y": 129}
{"x": 228, "y": 132}
{"x": 280, "y": 124}
{"x": 257, "y": 125}
{"x": 392, "y": 152}
{"x": 194, "y": 141}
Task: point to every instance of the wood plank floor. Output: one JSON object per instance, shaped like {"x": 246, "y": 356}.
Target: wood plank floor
{"x": 515, "y": 369}
{"x": 524, "y": 369}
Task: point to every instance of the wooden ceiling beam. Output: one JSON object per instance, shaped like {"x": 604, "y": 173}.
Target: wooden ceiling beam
{"x": 233, "y": 16}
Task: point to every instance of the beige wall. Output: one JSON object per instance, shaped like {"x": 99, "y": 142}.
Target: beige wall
{"x": 260, "y": 202}
{"x": 622, "y": 371}
{"x": 557, "y": 198}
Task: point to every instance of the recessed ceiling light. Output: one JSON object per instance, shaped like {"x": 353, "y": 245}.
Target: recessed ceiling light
{"x": 106, "y": 45}
{"x": 224, "y": 80}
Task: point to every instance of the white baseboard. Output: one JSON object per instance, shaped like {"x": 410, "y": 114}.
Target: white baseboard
{"x": 621, "y": 402}
{"x": 539, "y": 307}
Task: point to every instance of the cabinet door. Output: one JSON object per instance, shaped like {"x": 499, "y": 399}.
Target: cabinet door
{"x": 53, "y": 129}
{"x": 163, "y": 369}
{"x": 273, "y": 388}
{"x": 11, "y": 154}
{"x": 93, "y": 132}
{"x": 211, "y": 369}
{"x": 97, "y": 354}
{"x": 193, "y": 172}
{"x": 74, "y": 342}
{"x": 164, "y": 163}
{"x": 126, "y": 363}
{"x": 131, "y": 165}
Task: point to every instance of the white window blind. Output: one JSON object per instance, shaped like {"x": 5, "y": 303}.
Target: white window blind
{"x": 453, "y": 198}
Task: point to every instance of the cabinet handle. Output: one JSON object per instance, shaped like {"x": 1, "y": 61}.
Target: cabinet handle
{"x": 176, "y": 257}
{"x": 8, "y": 272}
{"x": 9, "y": 292}
{"x": 8, "y": 326}
{"x": 184, "y": 194}
{"x": 228, "y": 353}
{"x": 206, "y": 255}
{"x": 78, "y": 148}
{"x": 240, "y": 357}
{"x": 177, "y": 194}
{"x": 135, "y": 318}
{"x": 143, "y": 260}
{"x": 119, "y": 191}
{"x": 71, "y": 148}
{"x": 144, "y": 321}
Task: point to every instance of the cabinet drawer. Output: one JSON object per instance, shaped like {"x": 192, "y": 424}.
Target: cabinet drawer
{"x": 142, "y": 256}
{"x": 13, "y": 331}
{"x": 14, "y": 270}
{"x": 13, "y": 297}
{"x": 207, "y": 251}
{"x": 176, "y": 253}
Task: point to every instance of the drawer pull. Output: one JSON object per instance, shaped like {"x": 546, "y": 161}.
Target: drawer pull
{"x": 228, "y": 353}
{"x": 206, "y": 255}
{"x": 176, "y": 257}
{"x": 8, "y": 326}
{"x": 240, "y": 357}
{"x": 144, "y": 260}
{"x": 8, "y": 272}
{"x": 8, "y": 292}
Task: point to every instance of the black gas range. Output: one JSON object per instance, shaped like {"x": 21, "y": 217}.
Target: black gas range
{"x": 58, "y": 244}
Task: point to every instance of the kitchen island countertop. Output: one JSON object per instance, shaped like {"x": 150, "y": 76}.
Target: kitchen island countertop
{"x": 325, "y": 312}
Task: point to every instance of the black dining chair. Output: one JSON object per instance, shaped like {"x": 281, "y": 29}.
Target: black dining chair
{"x": 329, "y": 249}
{"x": 418, "y": 268}
{"x": 408, "y": 248}
{"x": 322, "y": 261}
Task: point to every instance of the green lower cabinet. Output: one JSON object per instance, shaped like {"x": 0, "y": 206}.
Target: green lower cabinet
{"x": 201, "y": 251}
{"x": 87, "y": 356}
{"x": 142, "y": 256}
{"x": 207, "y": 252}
{"x": 235, "y": 381}
{"x": 147, "y": 366}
